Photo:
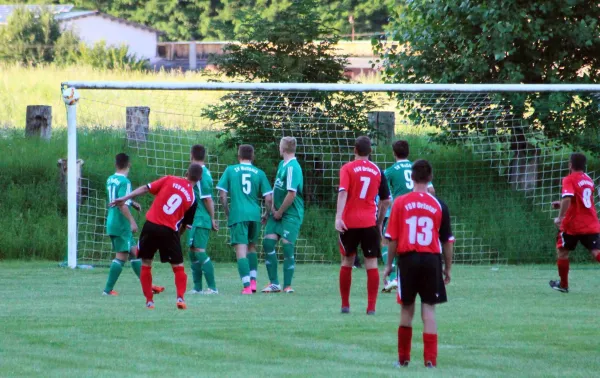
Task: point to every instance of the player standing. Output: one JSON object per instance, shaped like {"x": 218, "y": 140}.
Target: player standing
{"x": 419, "y": 231}
{"x": 173, "y": 206}
{"x": 400, "y": 181}
{"x": 120, "y": 226}
{"x": 204, "y": 222}
{"x": 577, "y": 220}
{"x": 359, "y": 219}
{"x": 285, "y": 217}
{"x": 245, "y": 184}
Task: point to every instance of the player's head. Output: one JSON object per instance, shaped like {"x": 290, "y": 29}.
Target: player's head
{"x": 422, "y": 172}
{"x": 198, "y": 152}
{"x": 122, "y": 161}
{"x": 362, "y": 146}
{"x": 577, "y": 162}
{"x": 246, "y": 152}
{"x": 401, "y": 149}
{"x": 287, "y": 145}
{"x": 194, "y": 172}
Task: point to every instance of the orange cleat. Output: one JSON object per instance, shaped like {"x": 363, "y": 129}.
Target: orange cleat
{"x": 157, "y": 289}
{"x": 247, "y": 291}
{"x": 181, "y": 304}
{"x": 111, "y": 293}
{"x": 253, "y": 285}
{"x": 288, "y": 290}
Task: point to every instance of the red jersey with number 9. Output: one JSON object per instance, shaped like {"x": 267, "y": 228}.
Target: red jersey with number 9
{"x": 363, "y": 181}
{"x": 174, "y": 197}
{"x": 581, "y": 217}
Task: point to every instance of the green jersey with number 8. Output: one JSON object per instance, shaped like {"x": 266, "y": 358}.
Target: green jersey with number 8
{"x": 117, "y": 186}
{"x": 245, "y": 184}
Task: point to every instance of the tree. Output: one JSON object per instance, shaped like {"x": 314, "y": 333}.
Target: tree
{"x": 285, "y": 49}
{"x": 507, "y": 41}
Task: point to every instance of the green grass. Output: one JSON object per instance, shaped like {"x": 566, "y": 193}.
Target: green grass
{"x": 496, "y": 323}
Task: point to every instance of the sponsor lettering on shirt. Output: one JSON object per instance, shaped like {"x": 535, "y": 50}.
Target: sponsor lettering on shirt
{"x": 420, "y": 205}
{"x": 366, "y": 169}
{"x": 183, "y": 190}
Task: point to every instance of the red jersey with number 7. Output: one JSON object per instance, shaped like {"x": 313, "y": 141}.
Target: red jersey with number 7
{"x": 419, "y": 223}
{"x": 174, "y": 199}
{"x": 581, "y": 217}
{"x": 363, "y": 181}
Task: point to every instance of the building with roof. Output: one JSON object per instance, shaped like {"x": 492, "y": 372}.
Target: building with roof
{"x": 93, "y": 26}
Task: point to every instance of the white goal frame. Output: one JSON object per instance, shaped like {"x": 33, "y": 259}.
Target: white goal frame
{"x": 72, "y": 172}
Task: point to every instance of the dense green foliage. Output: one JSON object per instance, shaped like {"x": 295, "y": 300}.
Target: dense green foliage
{"x": 507, "y": 41}
{"x": 217, "y": 19}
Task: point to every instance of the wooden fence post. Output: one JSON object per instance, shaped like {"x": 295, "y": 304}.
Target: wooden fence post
{"x": 62, "y": 174}
{"x": 192, "y": 56}
{"x": 384, "y": 123}
{"x": 39, "y": 121}
{"x": 137, "y": 124}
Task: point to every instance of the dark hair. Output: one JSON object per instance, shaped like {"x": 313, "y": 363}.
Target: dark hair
{"x": 198, "y": 152}
{"x": 122, "y": 160}
{"x": 246, "y": 152}
{"x": 422, "y": 172}
{"x": 578, "y": 161}
{"x": 194, "y": 172}
{"x": 362, "y": 146}
{"x": 401, "y": 149}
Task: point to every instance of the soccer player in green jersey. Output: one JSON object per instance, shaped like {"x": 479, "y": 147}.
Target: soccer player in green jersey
{"x": 120, "y": 226}
{"x": 245, "y": 184}
{"x": 204, "y": 222}
{"x": 285, "y": 217}
{"x": 401, "y": 183}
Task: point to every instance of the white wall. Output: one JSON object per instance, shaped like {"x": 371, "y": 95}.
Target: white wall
{"x": 92, "y": 29}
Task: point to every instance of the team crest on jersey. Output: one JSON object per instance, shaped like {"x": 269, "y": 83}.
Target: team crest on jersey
{"x": 278, "y": 183}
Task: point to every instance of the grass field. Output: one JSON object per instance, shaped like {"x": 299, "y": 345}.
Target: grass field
{"x": 497, "y": 323}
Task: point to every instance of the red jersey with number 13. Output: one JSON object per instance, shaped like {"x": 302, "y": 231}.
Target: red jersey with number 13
{"x": 174, "y": 197}
{"x": 363, "y": 181}
{"x": 581, "y": 217}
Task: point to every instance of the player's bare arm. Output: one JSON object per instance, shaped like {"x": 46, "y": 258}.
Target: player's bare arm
{"x": 209, "y": 205}
{"x": 340, "y": 226}
{"x": 287, "y": 202}
{"x": 382, "y": 207}
{"x": 564, "y": 206}
{"x": 124, "y": 209}
{"x": 268, "y": 205}
{"x": 223, "y": 199}
{"x": 393, "y": 246}
{"x": 136, "y": 206}
{"x": 136, "y": 193}
{"x": 447, "y": 251}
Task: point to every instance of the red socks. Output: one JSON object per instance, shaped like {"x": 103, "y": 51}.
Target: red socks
{"x": 563, "y": 272}
{"x": 404, "y": 342}
{"x": 372, "y": 288}
{"x": 345, "y": 283}
{"x": 430, "y": 348}
{"x": 180, "y": 280}
{"x": 146, "y": 281}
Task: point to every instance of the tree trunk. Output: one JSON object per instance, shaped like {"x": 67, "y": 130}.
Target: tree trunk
{"x": 39, "y": 121}
{"x": 385, "y": 125}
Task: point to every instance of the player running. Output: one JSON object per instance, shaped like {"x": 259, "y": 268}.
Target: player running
{"x": 245, "y": 184}
{"x": 174, "y": 206}
{"x": 120, "y": 226}
{"x": 359, "y": 219}
{"x": 419, "y": 231}
{"x": 577, "y": 220}
{"x": 204, "y": 222}
{"x": 400, "y": 181}
{"x": 285, "y": 217}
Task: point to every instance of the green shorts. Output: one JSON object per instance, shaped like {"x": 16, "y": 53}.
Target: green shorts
{"x": 198, "y": 237}
{"x": 244, "y": 232}
{"x": 286, "y": 228}
{"x": 122, "y": 243}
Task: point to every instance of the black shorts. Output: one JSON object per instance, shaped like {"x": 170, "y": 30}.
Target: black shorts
{"x": 164, "y": 239}
{"x": 420, "y": 273}
{"x": 369, "y": 240}
{"x": 569, "y": 242}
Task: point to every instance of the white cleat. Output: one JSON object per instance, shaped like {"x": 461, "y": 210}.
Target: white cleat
{"x": 390, "y": 285}
{"x": 193, "y": 291}
{"x": 209, "y": 291}
{"x": 271, "y": 288}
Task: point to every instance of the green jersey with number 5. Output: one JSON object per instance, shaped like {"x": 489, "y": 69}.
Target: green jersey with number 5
{"x": 245, "y": 184}
{"x": 117, "y": 186}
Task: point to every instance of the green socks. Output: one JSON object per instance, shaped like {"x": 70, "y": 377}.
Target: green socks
{"x": 207, "y": 268}
{"x": 394, "y": 273}
{"x": 288, "y": 264}
{"x": 384, "y": 254}
{"x": 244, "y": 270}
{"x": 136, "y": 265}
{"x": 271, "y": 260}
{"x": 253, "y": 264}
{"x": 116, "y": 267}
{"x": 196, "y": 271}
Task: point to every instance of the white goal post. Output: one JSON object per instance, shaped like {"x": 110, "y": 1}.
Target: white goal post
{"x": 448, "y": 101}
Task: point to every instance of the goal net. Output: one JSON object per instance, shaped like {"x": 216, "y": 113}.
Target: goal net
{"x": 497, "y": 165}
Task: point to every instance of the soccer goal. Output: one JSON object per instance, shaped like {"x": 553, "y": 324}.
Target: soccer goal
{"x": 498, "y": 151}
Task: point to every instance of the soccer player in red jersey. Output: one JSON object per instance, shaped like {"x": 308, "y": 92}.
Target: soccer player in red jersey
{"x": 359, "y": 219}
{"x": 577, "y": 220}
{"x": 173, "y": 207}
{"x": 418, "y": 232}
